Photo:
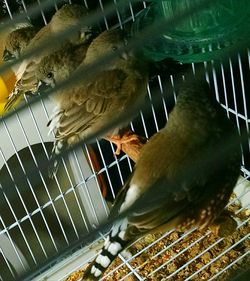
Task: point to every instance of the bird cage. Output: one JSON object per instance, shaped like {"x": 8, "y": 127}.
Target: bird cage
{"x": 49, "y": 227}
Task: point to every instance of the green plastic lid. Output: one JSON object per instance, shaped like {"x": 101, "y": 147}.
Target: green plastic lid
{"x": 200, "y": 37}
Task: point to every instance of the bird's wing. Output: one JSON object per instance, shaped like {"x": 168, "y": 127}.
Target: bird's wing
{"x": 150, "y": 210}
{"x": 162, "y": 194}
{"x": 26, "y": 84}
{"x": 160, "y": 209}
{"x": 89, "y": 103}
{"x": 107, "y": 84}
{"x": 26, "y": 80}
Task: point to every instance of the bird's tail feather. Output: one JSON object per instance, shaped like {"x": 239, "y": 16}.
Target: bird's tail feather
{"x": 114, "y": 244}
{"x": 10, "y": 103}
{"x": 13, "y": 100}
{"x": 59, "y": 146}
{"x": 18, "y": 93}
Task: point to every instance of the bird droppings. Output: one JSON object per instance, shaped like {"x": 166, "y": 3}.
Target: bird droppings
{"x": 147, "y": 263}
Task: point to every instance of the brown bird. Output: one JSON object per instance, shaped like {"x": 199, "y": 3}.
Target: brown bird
{"x": 97, "y": 99}
{"x": 59, "y": 65}
{"x": 66, "y": 17}
{"x": 183, "y": 178}
{"x": 14, "y": 44}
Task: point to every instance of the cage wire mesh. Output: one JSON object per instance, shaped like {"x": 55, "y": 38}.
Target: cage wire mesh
{"x": 40, "y": 217}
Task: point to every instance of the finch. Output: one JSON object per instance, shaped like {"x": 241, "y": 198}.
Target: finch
{"x": 65, "y": 18}
{"x": 15, "y": 43}
{"x": 183, "y": 178}
{"x": 89, "y": 105}
{"x": 57, "y": 66}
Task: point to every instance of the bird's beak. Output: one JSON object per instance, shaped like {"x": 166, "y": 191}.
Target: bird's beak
{"x": 7, "y": 55}
{"x": 125, "y": 55}
{"x": 42, "y": 86}
{"x": 86, "y": 33}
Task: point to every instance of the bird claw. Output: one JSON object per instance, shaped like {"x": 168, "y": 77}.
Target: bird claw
{"x": 129, "y": 142}
{"x": 126, "y": 138}
{"x": 118, "y": 148}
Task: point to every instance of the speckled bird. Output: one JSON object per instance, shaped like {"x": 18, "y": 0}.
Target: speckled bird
{"x": 183, "y": 178}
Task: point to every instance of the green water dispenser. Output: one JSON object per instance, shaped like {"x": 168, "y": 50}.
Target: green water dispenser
{"x": 199, "y": 37}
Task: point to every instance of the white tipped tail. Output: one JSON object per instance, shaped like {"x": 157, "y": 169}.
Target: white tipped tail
{"x": 114, "y": 244}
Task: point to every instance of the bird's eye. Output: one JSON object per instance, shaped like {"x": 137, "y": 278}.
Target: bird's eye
{"x": 114, "y": 48}
{"x": 50, "y": 75}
